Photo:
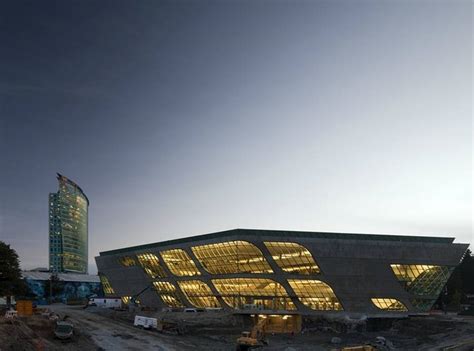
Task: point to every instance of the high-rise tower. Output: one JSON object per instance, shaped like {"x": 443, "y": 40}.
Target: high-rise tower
{"x": 68, "y": 232}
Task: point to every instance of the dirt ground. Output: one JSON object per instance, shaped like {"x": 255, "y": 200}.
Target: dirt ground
{"x": 36, "y": 333}
{"x": 103, "y": 329}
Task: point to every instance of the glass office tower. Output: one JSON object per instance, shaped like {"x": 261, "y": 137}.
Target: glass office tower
{"x": 68, "y": 233}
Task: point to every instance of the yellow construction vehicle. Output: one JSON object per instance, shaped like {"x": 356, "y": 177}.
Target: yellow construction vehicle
{"x": 253, "y": 339}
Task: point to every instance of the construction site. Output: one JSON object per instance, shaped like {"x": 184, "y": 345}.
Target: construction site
{"x": 102, "y": 328}
{"x": 255, "y": 289}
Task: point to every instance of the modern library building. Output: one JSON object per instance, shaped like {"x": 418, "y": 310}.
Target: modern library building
{"x": 285, "y": 272}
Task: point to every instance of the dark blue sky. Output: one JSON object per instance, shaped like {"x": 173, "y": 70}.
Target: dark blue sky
{"x": 187, "y": 117}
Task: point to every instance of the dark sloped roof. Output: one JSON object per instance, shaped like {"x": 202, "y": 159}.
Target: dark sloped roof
{"x": 285, "y": 234}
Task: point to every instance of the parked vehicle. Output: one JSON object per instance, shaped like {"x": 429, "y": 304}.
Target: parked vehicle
{"x": 190, "y": 310}
{"x": 105, "y": 302}
{"x": 10, "y": 314}
{"x": 64, "y": 330}
{"x": 145, "y": 322}
{"x": 213, "y": 309}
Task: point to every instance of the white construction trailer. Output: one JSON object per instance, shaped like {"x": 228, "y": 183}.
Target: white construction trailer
{"x": 105, "y": 302}
{"x": 145, "y": 322}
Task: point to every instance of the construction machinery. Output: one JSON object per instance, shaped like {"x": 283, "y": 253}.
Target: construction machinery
{"x": 359, "y": 348}
{"x": 134, "y": 299}
{"x": 253, "y": 339}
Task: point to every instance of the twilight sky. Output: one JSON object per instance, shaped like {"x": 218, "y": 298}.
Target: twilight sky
{"x": 188, "y": 117}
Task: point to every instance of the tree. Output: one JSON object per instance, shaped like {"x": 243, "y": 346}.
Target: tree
{"x": 11, "y": 282}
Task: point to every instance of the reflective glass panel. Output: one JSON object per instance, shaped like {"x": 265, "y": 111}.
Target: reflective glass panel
{"x": 422, "y": 280}
{"x": 388, "y": 304}
{"x": 106, "y": 284}
{"x": 199, "y": 294}
{"x": 241, "y": 293}
{"x": 315, "y": 294}
{"x": 292, "y": 257}
{"x": 232, "y": 257}
{"x": 68, "y": 223}
{"x": 151, "y": 265}
{"x": 168, "y": 294}
{"x": 179, "y": 262}
{"x": 422, "y": 304}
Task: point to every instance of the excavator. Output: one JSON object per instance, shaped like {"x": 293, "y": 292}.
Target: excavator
{"x": 253, "y": 339}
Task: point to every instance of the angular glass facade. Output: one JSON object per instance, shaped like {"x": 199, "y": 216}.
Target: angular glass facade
{"x": 424, "y": 282}
{"x": 68, "y": 228}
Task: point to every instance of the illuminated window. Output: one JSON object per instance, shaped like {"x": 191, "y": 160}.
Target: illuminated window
{"x": 292, "y": 257}
{"x": 168, "y": 294}
{"x": 198, "y": 293}
{"x": 151, "y": 265}
{"x": 388, "y": 304}
{"x": 259, "y": 293}
{"x": 315, "y": 294}
{"x": 179, "y": 262}
{"x": 422, "y": 280}
{"x": 106, "y": 284}
{"x": 126, "y": 299}
{"x": 127, "y": 261}
{"x": 232, "y": 257}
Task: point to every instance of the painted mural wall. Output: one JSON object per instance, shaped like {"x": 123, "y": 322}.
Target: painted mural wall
{"x": 64, "y": 291}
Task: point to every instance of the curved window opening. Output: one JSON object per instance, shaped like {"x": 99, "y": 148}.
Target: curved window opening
{"x": 292, "y": 257}
{"x": 127, "y": 261}
{"x": 168, "y": 294}
{"x": 253, "y": 293}
{"x": 179, "y": 263}
{"x": 231, "y": 257}
{"x": 315, "y": 294}
{"x": 199, "y": 294}
{"x": 151, "y": 265}
{"x": 388, "y": 304}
